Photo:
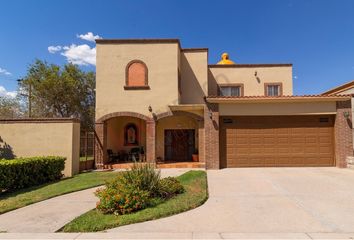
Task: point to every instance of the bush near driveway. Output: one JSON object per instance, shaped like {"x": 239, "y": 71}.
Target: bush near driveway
{"x": 25, "y": 172}
{"x": 169, "y": 187}
{"x": 136, "y": 189}
{"x": 195, "y": 194}
{"x": 120, "y": 198}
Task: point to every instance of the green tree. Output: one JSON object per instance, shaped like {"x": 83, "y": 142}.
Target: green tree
{"x": 56, "y": 91}
{"x": 10, "y": 108}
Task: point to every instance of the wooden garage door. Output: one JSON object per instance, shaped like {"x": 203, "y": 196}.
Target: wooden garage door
{"x": 270, "y": 141}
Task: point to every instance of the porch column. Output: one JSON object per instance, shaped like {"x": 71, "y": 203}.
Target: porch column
{"x": 343, "y": 133}
{"x": 100, "y": 144}
{"x": 150, "y": 141}
{"x": 211, "y": 125}
{"x": 201, "y": 141}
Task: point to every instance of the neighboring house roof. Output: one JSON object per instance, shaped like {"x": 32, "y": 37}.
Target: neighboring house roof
{"x": 340, "y": 88}
{"x": 302, "y": 98}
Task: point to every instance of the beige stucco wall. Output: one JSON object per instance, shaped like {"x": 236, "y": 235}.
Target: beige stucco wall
{"x": 115, "y": 133}
{"x": 254, "y": 109}
{"x": 194, "y": 76}
{"x": 45, "y": 139}
{"x": 175, "y": 122}
{"x": 162, "y": 63}
{"x": 253, "y": 85}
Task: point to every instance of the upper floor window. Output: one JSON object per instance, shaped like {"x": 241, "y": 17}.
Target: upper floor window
{"x": 136, "y": 75}
{"x": 273, "y": 89}
{"x": 231, "y": 90}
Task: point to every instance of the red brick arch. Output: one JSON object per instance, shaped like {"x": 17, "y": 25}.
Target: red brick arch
{"x": 123, "y": 114}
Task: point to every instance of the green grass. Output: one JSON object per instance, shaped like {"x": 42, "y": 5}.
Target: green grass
{"x": 13, "y": 200}
{"x": 196, "y": 194}
{"x": 83, "y": 159}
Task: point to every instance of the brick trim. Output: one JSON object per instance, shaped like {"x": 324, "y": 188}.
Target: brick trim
{"x": 151, "y": 141}
{"x": 343, "y": 133}
{"x": 212, "y": 145}
{"x": 194, "y": 49}
{"x": 137, "y": 87}
{"x": 122, "y": 114}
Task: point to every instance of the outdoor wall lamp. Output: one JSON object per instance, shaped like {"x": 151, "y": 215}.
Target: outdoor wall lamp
{"x": 210, "y": 115}
{"x": 346, "y": 115}
{"x": 255, "y": 73}
{"x": 150, "y": 108}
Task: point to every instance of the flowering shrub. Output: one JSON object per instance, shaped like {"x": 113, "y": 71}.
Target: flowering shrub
{"x": 143, "y": 176}
{"x": 136, "y": 189}
{"x": 120, "y": 198}
{"x": 170, "y": 186}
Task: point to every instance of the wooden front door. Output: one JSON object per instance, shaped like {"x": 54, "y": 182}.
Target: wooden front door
{"x": 179, "y": 144}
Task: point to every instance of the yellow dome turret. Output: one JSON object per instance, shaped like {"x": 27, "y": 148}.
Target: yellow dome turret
{"x": 225, "y": 59}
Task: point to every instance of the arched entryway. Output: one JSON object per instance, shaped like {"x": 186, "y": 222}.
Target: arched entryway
{"x": 124, "y": 137}
{"x": 179, "y": 137}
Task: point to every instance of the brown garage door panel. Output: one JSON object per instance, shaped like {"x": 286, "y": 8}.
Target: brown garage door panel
{"x": 277, "y": 141}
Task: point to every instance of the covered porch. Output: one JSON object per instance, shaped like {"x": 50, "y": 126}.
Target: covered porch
{"x": 173, "y": 139}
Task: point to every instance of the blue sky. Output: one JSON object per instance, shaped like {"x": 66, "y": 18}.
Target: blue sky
{"x": 317, "y": 36}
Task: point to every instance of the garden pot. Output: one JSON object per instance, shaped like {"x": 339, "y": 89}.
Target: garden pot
{"x": 195, "y": 157}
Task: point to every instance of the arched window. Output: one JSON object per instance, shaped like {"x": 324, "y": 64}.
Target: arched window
{"x": 131, "y": 135}
{"x": 136, "y": 75}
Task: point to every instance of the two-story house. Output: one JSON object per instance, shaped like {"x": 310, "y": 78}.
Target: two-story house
{"x": 167, "y": 103}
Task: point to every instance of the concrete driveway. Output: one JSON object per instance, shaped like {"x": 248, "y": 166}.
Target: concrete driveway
{"x": 304, "y": 202}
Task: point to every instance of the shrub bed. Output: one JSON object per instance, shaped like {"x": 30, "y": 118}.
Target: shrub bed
{"x": 195, "y": 194}
{"x": 25, "y": 172}
{"x": 136, "y": 189}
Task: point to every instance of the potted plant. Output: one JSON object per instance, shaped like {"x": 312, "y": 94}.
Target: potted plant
{"x": 195, "y": 156}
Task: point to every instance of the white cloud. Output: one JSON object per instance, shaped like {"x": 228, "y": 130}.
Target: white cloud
{"x": 88, "y": 37}
{"x": 5, "y": 93}
{"x": 4, "y": 71}
{"x": 54, "y": 49}
{"x": 80, "y": 54}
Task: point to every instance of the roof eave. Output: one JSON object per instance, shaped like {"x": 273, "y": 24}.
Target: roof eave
{"x": 340, "y": 88}
{"x": 277, "y": 99}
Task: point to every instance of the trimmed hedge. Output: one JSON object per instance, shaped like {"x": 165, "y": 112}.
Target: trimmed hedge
{"x": 25, "y": 172}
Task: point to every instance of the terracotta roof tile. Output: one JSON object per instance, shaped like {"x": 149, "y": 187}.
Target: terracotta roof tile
{"x": 280, "y": 97}
{"x": 286, "y": 98}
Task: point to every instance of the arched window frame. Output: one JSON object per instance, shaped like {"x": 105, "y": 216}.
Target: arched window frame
{"x": 142, "y": 87}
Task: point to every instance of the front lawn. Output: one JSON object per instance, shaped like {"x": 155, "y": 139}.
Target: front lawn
{"x": 13, "y": 200}
{"x": 195, "y": 184}
{"x": 89, "y": 158}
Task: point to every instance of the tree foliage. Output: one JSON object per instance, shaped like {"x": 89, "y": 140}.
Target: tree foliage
{"x": 10, "y": 107}
{"x": 60, "y": 91}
